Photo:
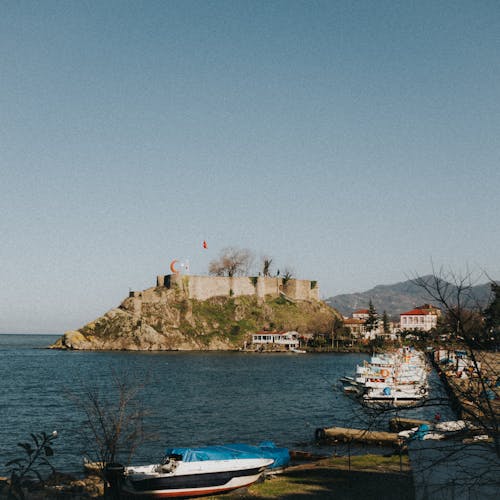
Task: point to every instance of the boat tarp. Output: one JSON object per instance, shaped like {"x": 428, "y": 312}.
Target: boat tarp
{"x": 281, "y": 456}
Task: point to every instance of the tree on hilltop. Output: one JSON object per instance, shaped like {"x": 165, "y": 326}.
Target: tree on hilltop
{"x": 287, "y": 275}
{"x": 266, "y": 266}
{"x": 231, "y": 262}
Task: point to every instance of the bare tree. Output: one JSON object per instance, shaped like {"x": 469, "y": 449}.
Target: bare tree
{"x": 455, "y": 295}
{"x": 287, "y": 274}
{"x": 460, "y": 460}
{"x": 113, "y": 418}
{"x": 232, "y": 262}
{"x": 266, "y": 266}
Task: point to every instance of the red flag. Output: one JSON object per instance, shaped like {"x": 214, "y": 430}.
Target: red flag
{"x": 205, "y": 244}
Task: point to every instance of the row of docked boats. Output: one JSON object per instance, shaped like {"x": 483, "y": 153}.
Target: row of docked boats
{"x": 193, "y": 472}
{"x": 390, "y": 379}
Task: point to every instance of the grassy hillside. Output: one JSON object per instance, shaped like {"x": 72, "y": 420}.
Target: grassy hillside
{"x": 171, "y": 321}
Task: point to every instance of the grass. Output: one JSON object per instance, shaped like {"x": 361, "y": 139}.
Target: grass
{"x": 370, "y": 476}
{"x": 231, "y": 320}
{"x": 372, "y": 462}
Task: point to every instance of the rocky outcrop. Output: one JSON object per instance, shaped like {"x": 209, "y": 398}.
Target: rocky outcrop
{"x": 161, "y": 319}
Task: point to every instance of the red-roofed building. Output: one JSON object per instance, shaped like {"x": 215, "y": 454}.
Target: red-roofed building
{"x": 423, "y": 318}
{"x": 361, "y": 314}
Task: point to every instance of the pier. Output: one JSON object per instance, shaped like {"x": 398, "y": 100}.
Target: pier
{"x": 474, "y": 396}
{"x": 397, "y": 424}
{"x": 347, "y": 435}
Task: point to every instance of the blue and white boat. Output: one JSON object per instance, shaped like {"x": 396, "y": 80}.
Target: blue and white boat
{"x": 208, "y": 470}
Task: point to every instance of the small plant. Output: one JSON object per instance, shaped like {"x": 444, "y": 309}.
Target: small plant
{"x": 28, "y": 468}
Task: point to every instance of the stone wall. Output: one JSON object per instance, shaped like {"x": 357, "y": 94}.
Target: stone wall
{"x": 268, "y": 286}
{"x": 204, "y": 287}
{"x": 297, "y": 289}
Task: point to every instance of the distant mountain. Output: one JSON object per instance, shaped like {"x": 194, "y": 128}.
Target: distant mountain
{"x": 395, "y": 299}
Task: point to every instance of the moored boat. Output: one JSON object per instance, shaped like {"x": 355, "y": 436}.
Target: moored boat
{"x": 390, "y": 379}
{"x": 394, "y": 396}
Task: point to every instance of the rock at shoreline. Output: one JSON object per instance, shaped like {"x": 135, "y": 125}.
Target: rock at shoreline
{"x": 161, "y": 319}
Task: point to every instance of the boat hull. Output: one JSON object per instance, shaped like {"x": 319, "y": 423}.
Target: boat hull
{"x": 194, "y": 484}
{"x": 383, "y": 402}
{"x": 188, "y": 487}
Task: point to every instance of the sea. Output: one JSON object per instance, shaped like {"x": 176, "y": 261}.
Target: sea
{"x": 191, "y": 398}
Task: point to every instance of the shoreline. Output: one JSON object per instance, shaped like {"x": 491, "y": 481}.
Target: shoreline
{"x": 340, "y": 477}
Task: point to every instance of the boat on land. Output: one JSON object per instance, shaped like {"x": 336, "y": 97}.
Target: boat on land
{"x": 209, "y": 470}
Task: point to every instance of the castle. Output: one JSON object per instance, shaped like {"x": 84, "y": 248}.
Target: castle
{"x": 205, "y": 287}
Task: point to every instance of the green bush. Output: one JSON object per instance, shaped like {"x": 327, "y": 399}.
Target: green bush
{"x": 29, "y": 467}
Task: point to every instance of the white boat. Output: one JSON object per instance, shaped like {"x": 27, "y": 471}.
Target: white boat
{"x": 399, "y": 395}
{"x": 209, "y": 470}
{"x": 182, "y": 479}
{"x": 390, "y": 379}
{"x": 353, "y": 389}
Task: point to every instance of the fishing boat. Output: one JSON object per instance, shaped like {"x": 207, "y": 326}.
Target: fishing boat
{"x": 398, "y": 395}
{"x": 209, "y": 470}
{"x": 390, "y": 379}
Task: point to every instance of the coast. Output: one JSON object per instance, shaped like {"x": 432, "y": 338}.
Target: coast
{"x": 203, "y": 313}
{"x": 343, "y": 478}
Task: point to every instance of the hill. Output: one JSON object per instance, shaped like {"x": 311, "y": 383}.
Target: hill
{"x": 167, "y": 319}
{"x": 395, "y": 298}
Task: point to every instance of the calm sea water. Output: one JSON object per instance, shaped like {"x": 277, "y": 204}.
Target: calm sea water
{"x": 194, "y": 398}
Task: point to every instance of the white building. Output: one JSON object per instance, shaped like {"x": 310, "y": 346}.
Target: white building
{"x": 357, "y": 326}
{"x": 423, "y": 318}
{"x": 283, "y": 340}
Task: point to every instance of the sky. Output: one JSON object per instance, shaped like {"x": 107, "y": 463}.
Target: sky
{"x": 353, "y": 142}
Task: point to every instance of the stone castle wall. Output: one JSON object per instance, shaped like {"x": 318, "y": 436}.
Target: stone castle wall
{"x": 302, "y": 288}
{"x": 204, "y": 287}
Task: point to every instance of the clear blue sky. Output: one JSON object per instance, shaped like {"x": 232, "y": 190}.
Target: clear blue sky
{"x": 353, "y": 141}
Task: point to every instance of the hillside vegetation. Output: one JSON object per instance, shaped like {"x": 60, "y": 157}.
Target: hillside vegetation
{"x": 170, "y": 321}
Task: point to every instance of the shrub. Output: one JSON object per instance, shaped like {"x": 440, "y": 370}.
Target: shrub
{"x": 29, "y": 467}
